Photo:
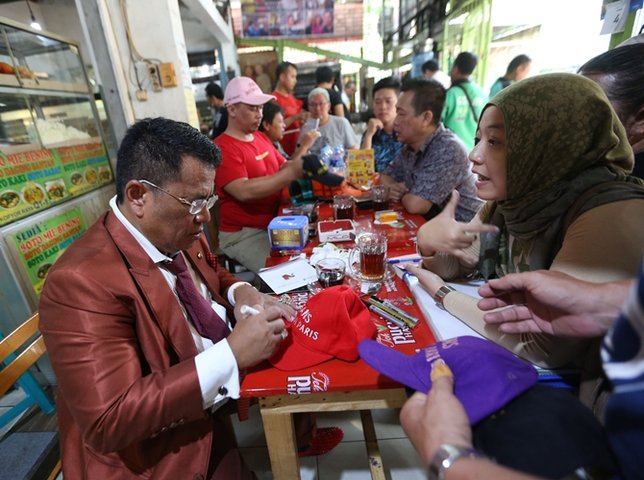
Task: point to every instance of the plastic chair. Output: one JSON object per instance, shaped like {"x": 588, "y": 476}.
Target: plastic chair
{"x": 25, "y": 454}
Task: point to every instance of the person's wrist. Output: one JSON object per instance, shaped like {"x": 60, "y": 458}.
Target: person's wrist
{"x": 233, "y": 291}
{"x": 441, "y": 293}
{"x": 448, "y": 454}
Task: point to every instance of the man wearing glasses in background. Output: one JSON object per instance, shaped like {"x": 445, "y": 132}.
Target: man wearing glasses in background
{"x": 144, "y": 331}
{"x": 334, "y": 131}
{"x": 250, "y": 178}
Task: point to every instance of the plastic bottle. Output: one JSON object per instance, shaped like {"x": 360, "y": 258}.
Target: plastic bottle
{"x": 337, "y": 160}
{"x": 326, "y": 153}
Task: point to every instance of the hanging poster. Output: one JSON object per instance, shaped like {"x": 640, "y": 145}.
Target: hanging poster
{"x": 42, "y": 243}
{"x": 38, "y": 179}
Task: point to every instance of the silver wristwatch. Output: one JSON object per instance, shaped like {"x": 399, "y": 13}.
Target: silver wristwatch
{"x": 441, "y": 293}
{"x": 445, "y": 457}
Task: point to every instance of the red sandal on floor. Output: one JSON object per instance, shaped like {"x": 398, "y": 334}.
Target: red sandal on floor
{"x": 324, "y": 440}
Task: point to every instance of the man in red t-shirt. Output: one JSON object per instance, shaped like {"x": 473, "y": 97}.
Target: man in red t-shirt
{"x": 250, "y": 178}
{"x": 294, "y": 116}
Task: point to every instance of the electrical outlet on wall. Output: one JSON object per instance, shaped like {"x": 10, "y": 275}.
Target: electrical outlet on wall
{"x": 154, "y": 77}
{"x": 142, "y": 95}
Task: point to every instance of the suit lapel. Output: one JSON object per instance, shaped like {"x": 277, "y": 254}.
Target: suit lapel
{"x": 159, "y": 298}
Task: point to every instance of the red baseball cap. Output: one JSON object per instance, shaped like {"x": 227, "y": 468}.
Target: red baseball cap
{"x": 330, "y": 325}
{"x": 245, "y": 90}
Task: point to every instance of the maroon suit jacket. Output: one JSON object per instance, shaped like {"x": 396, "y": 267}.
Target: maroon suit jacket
{"x": 129, "y": 401}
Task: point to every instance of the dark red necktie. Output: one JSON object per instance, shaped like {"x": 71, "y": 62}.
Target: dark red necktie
{"x": 204, "y": 318}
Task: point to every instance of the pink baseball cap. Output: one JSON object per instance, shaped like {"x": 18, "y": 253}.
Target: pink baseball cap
{"x": 245, "y": 90}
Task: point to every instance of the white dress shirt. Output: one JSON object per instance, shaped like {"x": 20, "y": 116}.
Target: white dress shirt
{"x": 215, "y": 363}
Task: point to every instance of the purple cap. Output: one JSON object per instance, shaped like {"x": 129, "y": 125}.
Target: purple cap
{"x": 486, "y": 376}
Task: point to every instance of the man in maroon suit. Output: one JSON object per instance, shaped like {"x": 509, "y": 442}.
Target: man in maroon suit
{"x": 141, "y": 390}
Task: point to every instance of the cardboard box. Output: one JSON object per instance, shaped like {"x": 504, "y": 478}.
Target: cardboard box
{"x": 336, "y": 231}
{"x": 288, "y": 233}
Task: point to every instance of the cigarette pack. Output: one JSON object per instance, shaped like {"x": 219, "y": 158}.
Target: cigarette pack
{"x": 336, "y": 231}
{"x": 289, "y": 233}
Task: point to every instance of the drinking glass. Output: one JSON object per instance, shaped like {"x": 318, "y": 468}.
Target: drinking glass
{"x": 343, "y": 207}
{"x": 330, "y": 271}
{"x": 379, "y": 197}
{"x": 371, "y": 249}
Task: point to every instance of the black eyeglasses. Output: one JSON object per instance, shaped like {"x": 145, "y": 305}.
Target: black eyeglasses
{"x": 195, "y": 206}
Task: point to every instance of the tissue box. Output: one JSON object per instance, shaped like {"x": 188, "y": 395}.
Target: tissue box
{"x": 288, "y": 233}
{"x": 336, "y": 231}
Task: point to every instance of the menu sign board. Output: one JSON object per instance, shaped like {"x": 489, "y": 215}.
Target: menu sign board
{"x": 360, "y": 167}
{"x": 33, "y": 181}
{"x": 42, "y": 243}
{"x": 85, "y": 167}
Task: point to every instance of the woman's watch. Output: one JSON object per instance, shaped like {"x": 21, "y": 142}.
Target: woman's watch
{"x": 441, "y": 293}
{"x": 445, "y": 457}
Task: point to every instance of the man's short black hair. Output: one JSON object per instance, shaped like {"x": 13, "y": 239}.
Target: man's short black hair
{"x": 430, "y": 66}
{"x": 387, "y": 82}
{"x": 324, "y": 74}
{"x": 214, "y": 90}
{"x": 466, "y": 62}
{"x": 283, "y": 68}
{"x": 428, "y": 95}
{"x": 154, "y": 148}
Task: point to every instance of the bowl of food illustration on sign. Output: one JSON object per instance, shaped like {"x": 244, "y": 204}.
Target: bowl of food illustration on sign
{"x": 9, "y": 199}
{"x": 91, "y": 176}
{"x": 104, "y": 174}
{"x": 33, "y": 194}
{"x": 76, "y": 178}
{"x": 55, "y": 189}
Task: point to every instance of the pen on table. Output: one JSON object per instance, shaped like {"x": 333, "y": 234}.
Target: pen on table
{"x": 394, "y": 261}
{"x": 390, "y": 311}
{"x": 387, "y": 316}
{"x": 401, "y": 311}
{"x": 247, "y": 310}
{"x": 387, "y": 305}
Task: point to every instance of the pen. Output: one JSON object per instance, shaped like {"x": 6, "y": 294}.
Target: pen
{"x": 247, "y": 310}
{"x": 390, "y": 311}
{"x": 404, "y": 260}
{"x": 387, "y": 305}
{"x": 401, "y": 311}
{"x": 386, "y": 316}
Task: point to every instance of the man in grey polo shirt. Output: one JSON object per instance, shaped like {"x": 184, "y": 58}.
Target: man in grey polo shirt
{"x": 334, "y": 131}
{"x": 433, "y": 161}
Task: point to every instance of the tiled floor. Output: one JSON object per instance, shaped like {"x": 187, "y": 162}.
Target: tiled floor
{"x": 348, "y": 461}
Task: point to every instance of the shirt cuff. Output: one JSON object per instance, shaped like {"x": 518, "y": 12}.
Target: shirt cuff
{"x": 231, "y": 291}
{"x": 218, "y": 374}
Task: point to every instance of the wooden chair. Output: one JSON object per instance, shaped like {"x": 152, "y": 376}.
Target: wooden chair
{"x": 25, "y": 454}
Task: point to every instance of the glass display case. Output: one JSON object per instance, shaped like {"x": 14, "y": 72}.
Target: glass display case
{"x": 45, "y": 97}
{"x": 51, "y": 142}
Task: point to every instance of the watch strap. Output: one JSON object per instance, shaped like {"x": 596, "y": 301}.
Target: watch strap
{"x": 441, "y": 293}
{"x": 445, "y": 457}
